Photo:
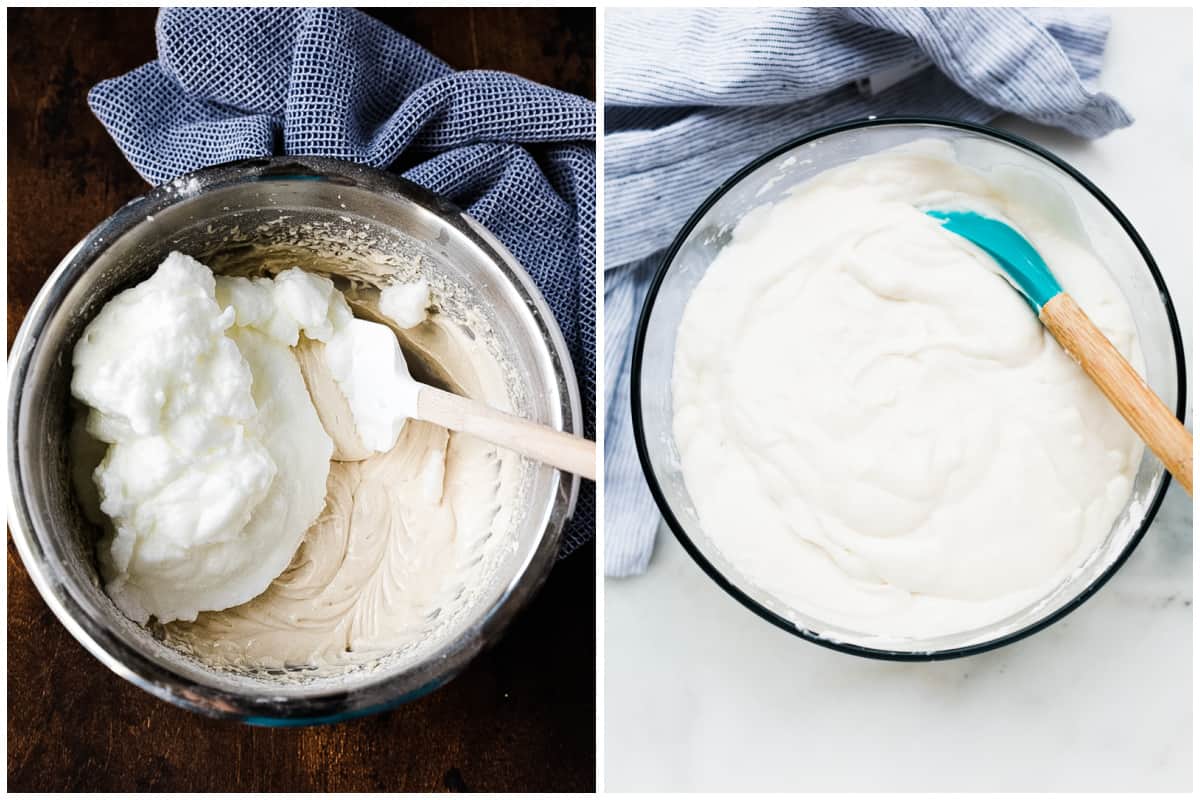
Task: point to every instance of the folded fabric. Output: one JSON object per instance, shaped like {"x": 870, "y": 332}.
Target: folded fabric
{"x": 519, "y": 157}
{"x": 692, "y": 96}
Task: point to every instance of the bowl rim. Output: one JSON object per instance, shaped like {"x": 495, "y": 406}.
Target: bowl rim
{"x": 335, "y": 703}
{"x": 725, "y": 583}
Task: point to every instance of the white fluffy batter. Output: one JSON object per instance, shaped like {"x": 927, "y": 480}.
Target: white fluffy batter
{"x": 217, "y": 459}
{"x": 210, "y": 469}
{"x": 873, "y": 425}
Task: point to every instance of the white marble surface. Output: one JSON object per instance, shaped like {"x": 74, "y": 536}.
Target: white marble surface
{"x": 702, "y": 695}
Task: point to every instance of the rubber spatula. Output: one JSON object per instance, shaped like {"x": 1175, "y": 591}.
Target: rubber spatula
{"x": 542, "y": 443}
{"x": 1149, "y": 417}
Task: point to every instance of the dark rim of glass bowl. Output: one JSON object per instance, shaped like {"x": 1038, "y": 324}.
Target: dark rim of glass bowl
{"x": 752, "y": 604}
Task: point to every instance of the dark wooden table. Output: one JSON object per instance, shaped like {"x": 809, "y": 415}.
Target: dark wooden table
{"x": 522, "y": 717}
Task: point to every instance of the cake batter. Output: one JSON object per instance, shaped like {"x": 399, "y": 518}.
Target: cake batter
{"x": 873, "y": 425}
{"x": 367, "y": 556}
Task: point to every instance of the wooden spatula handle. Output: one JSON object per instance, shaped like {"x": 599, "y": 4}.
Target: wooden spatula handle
{"x": 572, "y": 454}
{"x": 1139, "y": 405}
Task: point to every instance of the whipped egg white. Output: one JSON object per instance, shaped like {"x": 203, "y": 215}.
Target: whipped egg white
{"x": 216, "y": 461}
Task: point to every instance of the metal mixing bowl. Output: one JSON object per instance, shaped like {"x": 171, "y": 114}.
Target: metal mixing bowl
{"x": 1059, "y": 189}
{"x": 214, "y": 214}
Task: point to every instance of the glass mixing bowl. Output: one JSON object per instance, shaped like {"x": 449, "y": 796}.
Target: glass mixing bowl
{"x": 1059, "y": 189}
{"x": 287, "y": 208}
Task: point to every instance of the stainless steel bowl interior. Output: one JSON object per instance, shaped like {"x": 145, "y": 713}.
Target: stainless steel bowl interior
{"x": 1062, "y": 193}
{"x": 284, "y": 205}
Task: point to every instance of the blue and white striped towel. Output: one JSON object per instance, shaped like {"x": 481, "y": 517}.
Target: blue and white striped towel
{"x": 692, "y": 96}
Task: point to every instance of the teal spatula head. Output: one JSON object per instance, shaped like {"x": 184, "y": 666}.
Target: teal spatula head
{"x": 1015, "y": 255}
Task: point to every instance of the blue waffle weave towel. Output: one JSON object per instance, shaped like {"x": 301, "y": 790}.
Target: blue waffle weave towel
{"x": 519, "y": 157}
{"x": 692, "y": 96}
